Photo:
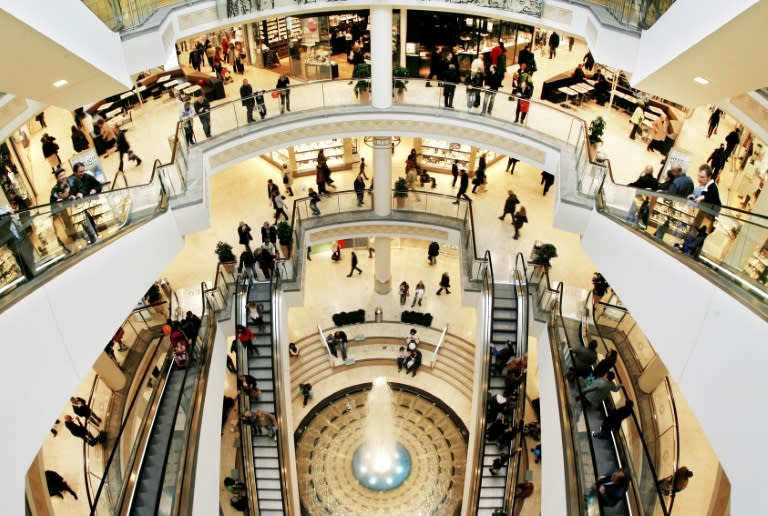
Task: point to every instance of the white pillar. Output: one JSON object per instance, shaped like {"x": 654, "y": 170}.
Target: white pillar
{"x": 382, "y": 280}
{"x": 381, "y": 56}
{"x": 403, "y": 32}
{"x": 382, "y": 175}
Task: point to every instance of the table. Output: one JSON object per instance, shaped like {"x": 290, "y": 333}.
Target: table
{"x": 180, "y": 86}
{"x": 655, "y": 109}
{"x": 164, "y": 78}
{"x": 110, "y": 114}
{"x": 190, "y": 90}
{"x": 568, "y": 92}
{"x": 170, "y": 84}
{"x": 105, "y": 106}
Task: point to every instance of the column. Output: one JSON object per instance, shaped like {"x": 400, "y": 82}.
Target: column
{"x": 382, "y": 278}
{"x": 381, "y": 56}
{"x": 403, "y": 32}
{"x": 382, "y": 175}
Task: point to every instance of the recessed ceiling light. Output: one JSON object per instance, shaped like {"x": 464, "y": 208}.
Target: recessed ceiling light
{"x": 701, "y": 80}
{"x": 59, "y": 84}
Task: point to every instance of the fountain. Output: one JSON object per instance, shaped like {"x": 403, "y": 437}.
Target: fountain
{"x": 381, "y": 463}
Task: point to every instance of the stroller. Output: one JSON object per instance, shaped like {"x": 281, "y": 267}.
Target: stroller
{"x": 226, "y": 76}
{"x": 181, "y": 356}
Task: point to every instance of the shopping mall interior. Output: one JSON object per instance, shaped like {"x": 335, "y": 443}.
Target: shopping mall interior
{"x": 360, "y": 258}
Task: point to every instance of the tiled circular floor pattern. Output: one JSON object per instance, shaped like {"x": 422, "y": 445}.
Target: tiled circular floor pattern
{"x": 438, "y": 454}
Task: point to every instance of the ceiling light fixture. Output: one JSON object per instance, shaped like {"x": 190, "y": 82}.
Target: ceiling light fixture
{"x": 59, "y": 84}
{"x": 701, "y": 80}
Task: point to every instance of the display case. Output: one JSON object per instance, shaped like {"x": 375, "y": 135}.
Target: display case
{"x": 756, "y": 266}
{"x": 438, "y": 156}
{"x": 680, "y": 217}
{"x": 340, "y": 154}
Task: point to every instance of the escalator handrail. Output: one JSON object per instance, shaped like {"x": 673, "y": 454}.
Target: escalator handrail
{"x": 152, "y": 405}
{"x": 521, "y": 283}
{"x": 204, "y": 289}
{"x": 485, "y": 340}
{"x": 667, "y": 510}
{"x": 86, "y": 473}
{"x": 281, "y": 399}
{"x": 184, "y": 492}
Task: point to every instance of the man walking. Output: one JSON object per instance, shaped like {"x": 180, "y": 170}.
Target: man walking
{"x": 78, "y": 429}
{"x": 246, "y": 93}
{"x": 354, "y": 266}
{"x": 463, "y": 185}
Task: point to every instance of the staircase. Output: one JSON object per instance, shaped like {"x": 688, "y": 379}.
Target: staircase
{"x": 503, "y": 328}
{"x": 266, "y": 456}
{"x": 156, "y": 461}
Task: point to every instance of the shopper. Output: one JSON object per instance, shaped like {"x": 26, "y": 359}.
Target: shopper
{"x": 450, "y": 78}
{"x": 283, "y": 86}
{"x": 717, "y": 160}
{"x": 510, "y": 204}
{"x": 401, "y": 358}
{"x": 247, "y": 265}
{"x": 268, "y": 233}
{"x": 249, "y": 385}
{"x": 413, "y": 363}
{"x": 287, "y": 180}
{"x": 611, "y": 488}
{"x": 305, "y": 389}
{"x": 418, "y": 293}
{"x": 463, "y": 186}
{"x": 479, "y": 174}
{"x": 554, "y": 42}
{"x": 445, "y": 284}
{"x": 681, "y": 184}
{"x": 78, "y": 429}
{"x": 57, "y": 486}
{"x": 474, "y": 86}
{"x": 646, "y": 180}
{"x": 492, "y": 84}
{"x": 244, "y": 235}
{"x": 524, "y": 93}
{"x": 637, "y": 121}
{"x": 261, "y": 107}
{"x": 582, "y": 358}
{"x": 186, "y": 115}
{"x": 246, "y": 94}
{"x": 612, "y": 421}
{"x": 511, "y": 164}
{"x": 79, "y": 141}
{"x": 404, "y": 291}
{"x": 81, "y": 408}
{"x": 707, "y": 192}
{"x": 124, "y": 147}
{"x": 676, "y": 482}
{"x": 278, "y": 201}
{"x": 354, "y": 266}
{"x": 547, "y": 180}
{"x": 658, "y": 134}
{"x": 518, "y": 220}
{"x": 499, "y": 462}
{"x": 599, "y": 390}
{"x": 359, "y": 186}
{"x": 314, "y": 198}
{"x": 731, "y": 141}
{"x": 51, "y": 151}
{"x": 433, "y": 251}
{"x": 342, "y": 342}
{"x": 714, "y": 121}
{"x": 203, "y": 109}
{"x": 455, "y": 172}
{"x": 266, "y": 420}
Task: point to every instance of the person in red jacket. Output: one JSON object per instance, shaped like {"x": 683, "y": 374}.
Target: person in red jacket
{"x": 245, "y": 336}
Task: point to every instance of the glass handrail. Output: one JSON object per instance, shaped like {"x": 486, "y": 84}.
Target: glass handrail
{"x": 734, "y": 254}
{"x": 633, "y": 14}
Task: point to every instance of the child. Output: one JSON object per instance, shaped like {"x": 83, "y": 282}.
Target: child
{"x": 404, "y": 292}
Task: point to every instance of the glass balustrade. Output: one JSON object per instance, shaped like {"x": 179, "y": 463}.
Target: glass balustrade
{"x": 730, "y": 242}
{"x": 635, "y": 14}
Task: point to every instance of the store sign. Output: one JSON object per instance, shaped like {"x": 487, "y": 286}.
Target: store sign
{"x": 90, "y": 159}
{"x": 311, "y": 34}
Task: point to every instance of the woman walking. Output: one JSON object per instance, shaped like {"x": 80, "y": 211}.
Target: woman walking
{"x": 279, "y": 204}
{"x": 418, "y": 293}
{"x": 123, "y": 147}
{"x": 445, "y": 284}
{"x": 518, "y": 220}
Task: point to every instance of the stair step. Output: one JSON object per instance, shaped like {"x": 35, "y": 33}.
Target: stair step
{"x": 503, "y": 335}
{"x": 492, "y": 492}
{"x": 266, "y": 462}
{"x": 275, "y": 505}
{"x": 269, "y": 484}
{"x": 504, "y": 313}
{"x": 269, "y": 494}
{"x": 501, "y": 325}
{"x": 490, "y": 503}
{"x": 504, "y": 303}
{"x": 500, "y": 480}
{"x": 262, "y": 452}
{"x": 268, "y": 473}
{"x": 264, "y": 512}
{"x": 261, "y": 374}
{"x": 259, "y": 362}
{"x": 504, "y": 290}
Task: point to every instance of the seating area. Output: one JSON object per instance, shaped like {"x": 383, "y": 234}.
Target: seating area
{"x": 454, "y": 363}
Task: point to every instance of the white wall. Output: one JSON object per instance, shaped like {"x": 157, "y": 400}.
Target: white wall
{"x": 552, "y": 469}
{"x": 206, "y": 500}
{"x": 53, "y": 336}
{"x": 713, "y": 346}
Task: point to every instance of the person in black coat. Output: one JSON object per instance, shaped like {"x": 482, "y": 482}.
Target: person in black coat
{"x": 244, "y": 235}
{"x": 77, "y": 429}
{"x": 463, "y": 186}
{"x": 195, "y": 59}
{"x": 354, "y": 266}
{"x": 56, "y": 484}
{"x": 454, "y": 172}
{"x": 709, "y": 193}
{"x": 554, "y": 42}
{"x": 717, "y": 160}
{"x": 547, "y": 180}
{"x": 714, "y": 121}
{"x": 492, "y": 84}
{"x": 83, "y": 184}
{"x": 247, "y": 265}
{"x": 80, "y": 407}
{"x": 479, "y": 173}
{"x": 510, "y": 205}
{"x": 123, "y": 147}
{"x": 605, "y": 365}
{"x": 79, "y": 140}
{"x": 731, "y": 141}
{"x": 246, "y": 94}
{"x": 646, "y": 180}
{"x": 433, "y": 251}
{"x": 450, "y": 78}
{"x": 496, "y": 429}
{"x": 613, "y": 420}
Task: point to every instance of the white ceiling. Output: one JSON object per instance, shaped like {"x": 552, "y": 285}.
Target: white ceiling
{"x": 731, "y": 58}
{"x": 37, "y": 61}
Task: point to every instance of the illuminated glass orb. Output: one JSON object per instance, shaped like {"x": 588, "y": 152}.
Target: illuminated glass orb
{"x": 381, "y": 471}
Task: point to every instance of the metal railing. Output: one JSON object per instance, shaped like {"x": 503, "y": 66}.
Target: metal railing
{"x": 437, "y": 348}
{"x": 478, "y": 437}
{"x": 282, "y": 398}
{"x": 633, "y": 14}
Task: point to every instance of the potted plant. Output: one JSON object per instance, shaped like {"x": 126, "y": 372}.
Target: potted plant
{"x": 543, "y": 257}
{"x": 401, "y": 191}
{"x": 398, "y": 83}
{"x": 285, "y": 238}
{"x": 226, "y": 256}
{"x": 596, "y": 130}
{"x": 362, "y": 72}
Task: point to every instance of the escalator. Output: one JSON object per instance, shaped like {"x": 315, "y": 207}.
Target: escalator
{"x": 152, "y": 492}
